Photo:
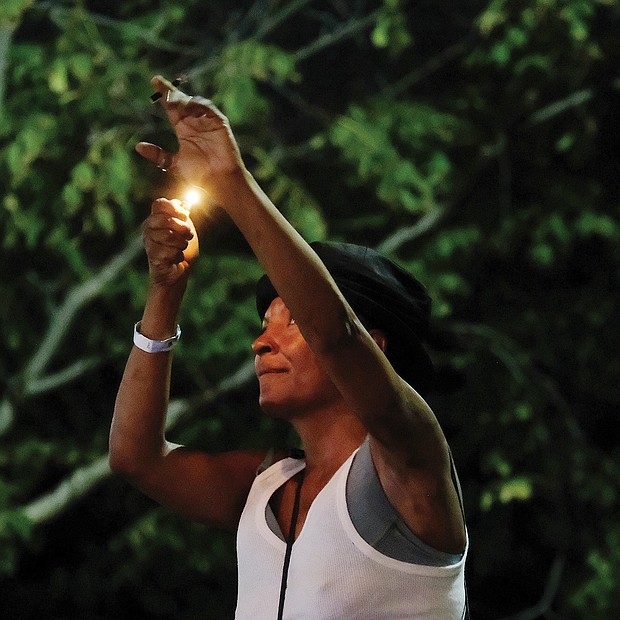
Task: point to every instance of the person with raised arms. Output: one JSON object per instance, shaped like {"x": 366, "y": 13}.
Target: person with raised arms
{"x": 368, "y": 521}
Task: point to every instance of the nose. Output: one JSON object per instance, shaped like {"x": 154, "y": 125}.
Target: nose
{"x": 263, "y": 344}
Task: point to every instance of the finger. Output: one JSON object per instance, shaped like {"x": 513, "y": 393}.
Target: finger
{"x": 177, "y": 96}
{"x": 200, "y": 106}
{"x": 156, "y": 155}
{"x": 181, "y": 106}
{"x": 178, "y": 104}
{"x": 169, "y": 225}
{"x": 172, "y": 207}
{"x": 161, "y": 86}
{"x": 181, "y": 208}
{"x": 165, "y": 205}
{"x": 190, "y": 106}
{"x": 165, "y": 262}
{"x": 162, "y": 253}
{"x": 176, "y": 257}
{"x": 168, "y": 238}
{"x": 175, "y": 104}
{"x": 166, "y": 222}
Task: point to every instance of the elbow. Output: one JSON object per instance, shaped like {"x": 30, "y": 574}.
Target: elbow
{"x": 120, "y": 463}
{"x": 129, "y": 469}
{"x": 125, "y": 461}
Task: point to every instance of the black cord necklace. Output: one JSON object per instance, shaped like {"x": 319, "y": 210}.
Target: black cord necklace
{"x": 289, "y": 544}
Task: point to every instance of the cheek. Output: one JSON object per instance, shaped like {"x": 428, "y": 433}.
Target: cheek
{"x": 311, "y": 378}
{"x": 305, "y": 363}
{"x": 308, "y": 376}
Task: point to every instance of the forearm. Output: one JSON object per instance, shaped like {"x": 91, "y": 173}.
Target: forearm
{"x": 137, "y": 431}
{"x": 294, "y": 269}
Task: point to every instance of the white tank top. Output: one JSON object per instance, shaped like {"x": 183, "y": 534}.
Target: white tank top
{"x": 334, "y": 574}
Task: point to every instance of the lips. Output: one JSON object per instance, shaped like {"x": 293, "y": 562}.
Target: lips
{"x": 267, "y": 370}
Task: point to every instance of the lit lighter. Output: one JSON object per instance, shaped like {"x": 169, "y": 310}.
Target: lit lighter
{"x": 190, "y": 198}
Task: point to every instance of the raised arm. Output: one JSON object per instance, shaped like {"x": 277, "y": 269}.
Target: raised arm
{"x": 407, "y": 443}
{"x": 209, "y": 488}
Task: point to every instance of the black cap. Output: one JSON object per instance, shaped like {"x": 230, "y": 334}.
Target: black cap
{"x": 385, "y": 297}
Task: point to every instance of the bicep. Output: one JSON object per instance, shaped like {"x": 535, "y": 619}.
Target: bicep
{"x": 203, "y": 487}
{"x": 390, "y": 409}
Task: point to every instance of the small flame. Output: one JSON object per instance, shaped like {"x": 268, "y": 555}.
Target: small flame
{"x": 192, "y": 197}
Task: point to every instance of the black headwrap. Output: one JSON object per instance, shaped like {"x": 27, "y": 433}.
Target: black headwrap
{"x": 384, "y": 296}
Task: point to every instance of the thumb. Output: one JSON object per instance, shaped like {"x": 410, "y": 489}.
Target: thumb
{"x": 155, "y": 154}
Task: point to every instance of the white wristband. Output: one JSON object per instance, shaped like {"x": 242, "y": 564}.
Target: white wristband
{"x": 154, "y": 346}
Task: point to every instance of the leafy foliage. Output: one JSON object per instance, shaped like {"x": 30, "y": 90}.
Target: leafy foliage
{"x": 475, "y": 143}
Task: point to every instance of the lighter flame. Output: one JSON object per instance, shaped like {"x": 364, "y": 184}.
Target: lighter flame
{"x": 192, "y": 197}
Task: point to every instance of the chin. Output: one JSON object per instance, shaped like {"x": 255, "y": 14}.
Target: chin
{"x": 274, "y": 409}
{"x": 279, "y": 408}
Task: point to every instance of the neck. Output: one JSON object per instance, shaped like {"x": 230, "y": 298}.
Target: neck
{"x": 329, "y": 437}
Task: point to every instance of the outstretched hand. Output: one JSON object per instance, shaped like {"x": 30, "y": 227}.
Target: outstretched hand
{"x": 207, "y": 147}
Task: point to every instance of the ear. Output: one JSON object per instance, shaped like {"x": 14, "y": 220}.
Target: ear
{"x": 379, "y": 337}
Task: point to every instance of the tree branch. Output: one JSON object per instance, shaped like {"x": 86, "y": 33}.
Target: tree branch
{"x": 543, "y": 606}
{"x": 348, "y": 29}
{"x": 7, "y": 414}
{"x": 496, "y": 343}
{"x": 139, "y": 32}
{"x": 67, "y": 492}
{"x": 431, "y": 66}
{"x": 85, "y": 478}
{"x": 558, "y": 107}
{"x": 74, "y": 301}
{"x": 267, "y": 24}
{"x": 6, "y": 34}
{"x": 522, "y": 370}
{"x": 29, "y": 382}
{"x": 394, "y": 241}
{"x": 45, "y": 384}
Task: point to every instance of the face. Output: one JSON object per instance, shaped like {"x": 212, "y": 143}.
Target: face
{"x": 291, "y": 380}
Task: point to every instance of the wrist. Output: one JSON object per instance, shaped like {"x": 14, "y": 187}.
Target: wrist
{"x": 170, "y": 286}
{"x": 154, "y": 345}
{"x": 161, "y": 311}
{"x": 223, "y": 189}
{"x": 166, "y": 295}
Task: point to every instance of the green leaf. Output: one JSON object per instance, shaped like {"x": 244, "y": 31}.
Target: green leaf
{"x": 58, "y": 79}
{"x": 493, "y": 16}
{"x": 517, "y": 489}
{"x": 105, "y": 218}
{"x": 381, "y": 33}
{"x": 12, "y": 11}
{"x": 241, "y": 101}
{"x": 83, "y": 176}
{"x": 72, "y": 199}
{"x": 590, "y": 223}
{"x": 543, "y": 254}
{"x": 81, "y": 66}
{"x": 391, "y": 32}
{"x": 117, "y": 173}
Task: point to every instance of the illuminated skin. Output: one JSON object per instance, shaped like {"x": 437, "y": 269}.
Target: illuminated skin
{"x": 291, "y": 380}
